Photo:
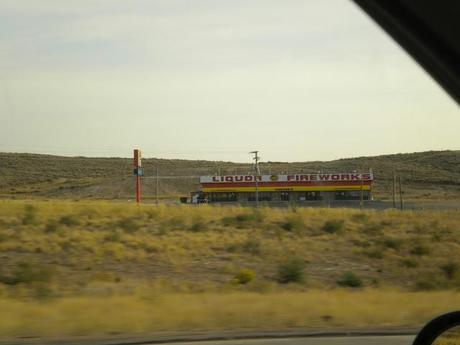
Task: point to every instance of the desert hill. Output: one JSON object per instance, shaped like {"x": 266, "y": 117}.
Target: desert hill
{"x": 425, "y": 175}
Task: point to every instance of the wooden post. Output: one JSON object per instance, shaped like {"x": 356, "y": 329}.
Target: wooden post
{"x": 371, "y": 195}
{"x": 394, "y": 189}
{"x": 156, "y": 186}
{"x": 401, "y": 203}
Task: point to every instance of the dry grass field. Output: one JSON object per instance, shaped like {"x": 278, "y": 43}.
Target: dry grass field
{"x": 449, "y": 337}
{"x": 73, "y": 268}
{"x": 146, "y": 311}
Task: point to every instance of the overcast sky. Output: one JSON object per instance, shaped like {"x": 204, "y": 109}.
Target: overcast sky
{"x": 298, "y": 80}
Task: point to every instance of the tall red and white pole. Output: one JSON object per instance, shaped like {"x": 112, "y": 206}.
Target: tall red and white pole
{"x": 137, "y": 173}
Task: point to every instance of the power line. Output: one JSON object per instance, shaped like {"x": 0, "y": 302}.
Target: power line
{"x": 172, "y": 177}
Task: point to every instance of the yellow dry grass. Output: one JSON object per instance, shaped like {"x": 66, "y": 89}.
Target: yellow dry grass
{"x": 234, "y": 310}
{"x": 86, "y": 268}
{"x": 449, "y": 337}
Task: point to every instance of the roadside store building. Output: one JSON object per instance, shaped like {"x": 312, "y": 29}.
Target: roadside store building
{"x": 285, "y": 188}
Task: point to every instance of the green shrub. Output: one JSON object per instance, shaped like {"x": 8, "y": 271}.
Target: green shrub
{"x": 175, "y": 222}
{"x": 392, "y": 243}
{"x": 251, "y": 245}
{"x": 244, "y": 276}
{"x": 152, "y": 214}
{"x": 113, "y": 236}
{"x": 386, "y": 222}
{"x": 228, "y": 221}
{"x": 360, "y": 243}
{"x": 42, "y": 291}
{"x": 243, "y": 219}
{"x": 350, "y": 279}
{"x": 292, "y": 223}
{"x": 69, "y": 220}
{"x": 51, "y": 226}
{"x": 198, "y": 224}
{"x": 409, "y": 263}
{"x": 360, "y": 217}
{"x": 26, "y": 273}
{"x": 373, "y": 228}
{"x": 232, "y": 247}
{"x": 420, "y": 250}
{"x": 375, "y": 282}
{"x": 436, "y": 237}
{"x": 30, "y": 215}
{"x": 419, "y": 228}
{"x": 333, "y": 226}
{"x": 162, "y": 230}
{"x": 425, "y": 284}
{"x": 450, "y": 269}
{"x": 374, "y": 253}
{"x": 430, "y": 281}
{"x": 129, "y": 225}
{"x": 291, "y": 271}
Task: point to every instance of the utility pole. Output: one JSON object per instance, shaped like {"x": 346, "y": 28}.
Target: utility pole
{"x": 371, "y": 195}
{"x": 394, "y": 189}
{"x": 361, "y": 195}
{"x": 257, "y": 174}
{"x": 156, "y": 186}
{"x": 401, "y": 203}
